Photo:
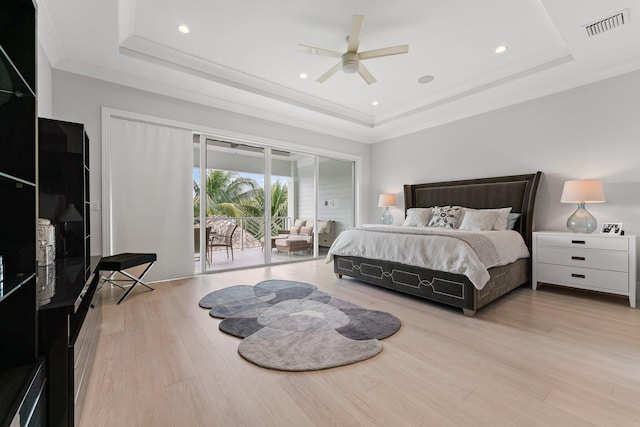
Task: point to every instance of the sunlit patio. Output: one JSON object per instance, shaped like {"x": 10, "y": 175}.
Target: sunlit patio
{"x": 251, "y": 257}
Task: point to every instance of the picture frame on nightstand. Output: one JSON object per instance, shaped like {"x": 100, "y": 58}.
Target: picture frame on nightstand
{"x": 611, "y": 228}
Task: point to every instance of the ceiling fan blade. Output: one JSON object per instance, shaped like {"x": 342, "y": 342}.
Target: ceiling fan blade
{"x": 385, "y": 51}
{"x": 329, "y": 73}
{"x": 366, "y": 75}
{"x": 318, "y": 51}
{"x": 354, "y": 36}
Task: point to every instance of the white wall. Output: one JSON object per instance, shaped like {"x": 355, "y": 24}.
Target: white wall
{"x": 334, "y": 187}
{"x": 79, "y": 99}
{"x": 45, "y": 86}
{"x": 588, "y": 132}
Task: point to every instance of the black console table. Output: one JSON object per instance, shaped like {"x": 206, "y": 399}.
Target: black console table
{"x": 68, "y": 333}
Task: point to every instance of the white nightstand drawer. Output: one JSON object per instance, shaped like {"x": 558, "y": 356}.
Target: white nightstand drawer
{"x": 587, "y": 258}
{"x": 584, "y": 241}
{"x": 587, "y": 278}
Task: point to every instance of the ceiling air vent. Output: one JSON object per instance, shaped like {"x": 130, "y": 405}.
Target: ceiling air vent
{"x": 609, "y": 23}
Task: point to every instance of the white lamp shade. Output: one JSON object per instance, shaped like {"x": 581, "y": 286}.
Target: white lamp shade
{"x": 583, "y": 191}
{"x": 387, "y": 200}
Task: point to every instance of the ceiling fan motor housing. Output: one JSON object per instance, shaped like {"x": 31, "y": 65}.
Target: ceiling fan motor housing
{"x": 350, "y": 62}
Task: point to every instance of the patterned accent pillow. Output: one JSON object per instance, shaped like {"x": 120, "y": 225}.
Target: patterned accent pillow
{"x": 478, "y": 220}
{"x": 306, "y": 231}
{"x": 294, "y": 231}
{"x": 445, "y": 216}
{"x": 417, "y": 217}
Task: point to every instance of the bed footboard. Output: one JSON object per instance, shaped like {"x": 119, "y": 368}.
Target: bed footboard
{"x": 448, "y": 288}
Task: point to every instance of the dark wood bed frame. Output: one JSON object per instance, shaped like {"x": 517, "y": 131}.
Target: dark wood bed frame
{"x": 517, "y": 191}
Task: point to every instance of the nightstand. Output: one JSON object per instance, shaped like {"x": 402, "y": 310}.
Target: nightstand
{"x": 597, "y": 262}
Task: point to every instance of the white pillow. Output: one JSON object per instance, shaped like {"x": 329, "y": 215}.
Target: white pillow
{"x": 501, "y": 221}
{"x": 417, "y": 217}
{"x": 300, "y": 223}
{"x": 323, "y": 226}
{"x": 478, "y": 220}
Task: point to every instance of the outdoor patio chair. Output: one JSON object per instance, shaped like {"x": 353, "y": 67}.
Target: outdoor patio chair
{"x": 223, "y": 240}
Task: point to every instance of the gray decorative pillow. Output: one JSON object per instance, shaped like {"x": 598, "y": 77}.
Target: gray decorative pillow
{"x": 445, "y": 216}
{"x": 417, "y": 217}
{"x": 511, "y": 220}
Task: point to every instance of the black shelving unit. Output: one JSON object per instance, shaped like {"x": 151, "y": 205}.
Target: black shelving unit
{"x": 22, "y": 378}
{"x": 71, "y": 313}
{"x": 63, "y": 192}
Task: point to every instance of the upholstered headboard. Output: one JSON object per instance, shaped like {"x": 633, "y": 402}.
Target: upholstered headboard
{"x": 517, "y": 191}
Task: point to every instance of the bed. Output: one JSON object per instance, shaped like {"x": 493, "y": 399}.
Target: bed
{"x": 516, "y": 191}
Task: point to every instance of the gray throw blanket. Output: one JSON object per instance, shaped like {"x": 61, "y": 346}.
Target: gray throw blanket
{"x": 481, "y": 244}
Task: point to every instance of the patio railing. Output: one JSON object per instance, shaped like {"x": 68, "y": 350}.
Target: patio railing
{"x": 253, "y": 228}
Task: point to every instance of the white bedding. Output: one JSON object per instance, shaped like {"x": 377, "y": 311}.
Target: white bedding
{"x": 418, "y": 246}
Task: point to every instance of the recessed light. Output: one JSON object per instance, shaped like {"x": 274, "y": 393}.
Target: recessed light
{"x": 375, "y": 103}
{"x": 183, "y": 29}
{"x": 425, "y": 79}
{"x": 303, "y": 76}
{"x": 500, "y": 49}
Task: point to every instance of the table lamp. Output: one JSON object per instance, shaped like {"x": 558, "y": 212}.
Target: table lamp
{"x": 581, "y": 192}
{"x": 386, "y": 201}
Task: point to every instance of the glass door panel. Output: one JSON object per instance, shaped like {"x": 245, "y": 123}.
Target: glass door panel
{"x": 199, "y": 251}
{"x": 261, "y": 205}
{"x": 235, "y": 204}
{"x": 293, "y": 194}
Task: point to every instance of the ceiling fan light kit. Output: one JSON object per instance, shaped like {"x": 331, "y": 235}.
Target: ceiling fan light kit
{"x": 350, "y": 63}
{"x": 350, "y": 60}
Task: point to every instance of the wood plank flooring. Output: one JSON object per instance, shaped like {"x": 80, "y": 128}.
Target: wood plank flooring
{"x": 552, "y": 357}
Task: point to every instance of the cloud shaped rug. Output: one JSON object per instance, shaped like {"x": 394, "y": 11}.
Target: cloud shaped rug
{"x": 292, "y": 326}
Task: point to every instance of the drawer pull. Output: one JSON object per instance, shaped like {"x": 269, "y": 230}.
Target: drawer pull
{"x": 578, "y": 258}
{"x": 579, "y": 242}
{"x": 579, "y": 276}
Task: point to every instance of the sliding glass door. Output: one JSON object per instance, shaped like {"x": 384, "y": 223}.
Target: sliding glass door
{"x": 229, "y": 199}
{"x": 294, "y": 173}
{"x": 256, "y": 205}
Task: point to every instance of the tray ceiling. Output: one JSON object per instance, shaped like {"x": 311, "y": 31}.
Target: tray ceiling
{"x": 243, "y": 57}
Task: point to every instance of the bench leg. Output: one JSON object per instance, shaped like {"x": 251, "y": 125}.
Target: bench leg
{"x": 135, "y": 280}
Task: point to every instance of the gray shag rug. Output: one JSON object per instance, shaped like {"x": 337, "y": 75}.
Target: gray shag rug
{"x": 292, "y": 326}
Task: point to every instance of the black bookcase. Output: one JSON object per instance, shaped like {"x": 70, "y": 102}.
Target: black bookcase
{"x": 63, "y": 164}
{"x": 22, "y": 378}
{"x": 70, "y": 314}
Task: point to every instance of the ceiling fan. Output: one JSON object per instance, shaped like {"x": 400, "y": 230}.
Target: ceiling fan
{"x": 350, "y": 62}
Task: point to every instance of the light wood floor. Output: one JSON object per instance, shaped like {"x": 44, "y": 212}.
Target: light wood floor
{"x": 546, "y": 358}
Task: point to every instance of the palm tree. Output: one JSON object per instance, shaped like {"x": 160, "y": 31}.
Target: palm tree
{"x": 233, "y": 196}
{"x": 279, "y": 206}
{"x": 225, "y": 193}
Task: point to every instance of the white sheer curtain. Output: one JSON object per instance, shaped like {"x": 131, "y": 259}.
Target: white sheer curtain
{"x": 151, "y": 195}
